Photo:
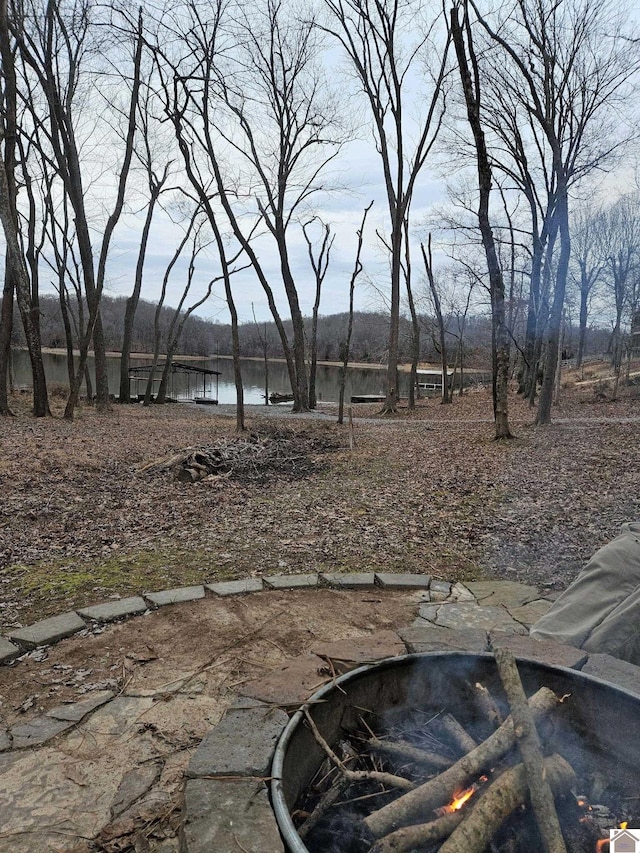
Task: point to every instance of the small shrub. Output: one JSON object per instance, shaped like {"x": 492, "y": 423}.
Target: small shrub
{"x": 601, "y": 390}
{"x": 58, "y": 390}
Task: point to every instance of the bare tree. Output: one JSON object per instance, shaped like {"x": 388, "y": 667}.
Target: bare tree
{"x": 459, "y": 307}
{"x": 319, "y": 265}
{"x": 414, "y": 388}
{"x": 54, "y": 44}
{"x": 200, "y": 243}
{"x": 263, "y": 337}
{"x": 345, "y": 346}
{"x": 435, "y": 296}
{"x": 588, "y": 257}
{"x": 569, "y": 64}
{"x": 377, "y": 36}
{"x": 469, "y": 76}
{"x": 157, "y": 332}
{"x": 623, "y": 265}
{"x": 517, "y": 150}
{"x": 156, "y": 181}
{"x": 17, "y": 277}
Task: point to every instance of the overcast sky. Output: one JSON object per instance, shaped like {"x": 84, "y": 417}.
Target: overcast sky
{"x": 359, "y": 168}
{"x": 358, "y": 172}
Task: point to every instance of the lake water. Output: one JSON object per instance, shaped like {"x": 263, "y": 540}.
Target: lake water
{"x": 222, "y": 388}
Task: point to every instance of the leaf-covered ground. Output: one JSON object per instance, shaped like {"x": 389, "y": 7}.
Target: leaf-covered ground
{"x": 430, "y": 491}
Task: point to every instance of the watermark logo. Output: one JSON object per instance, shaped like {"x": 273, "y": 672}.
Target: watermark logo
{"x": 624, "y": 840}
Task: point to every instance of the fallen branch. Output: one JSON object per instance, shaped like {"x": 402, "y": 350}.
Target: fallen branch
{"x": 324, "y": 804}
{"x": 437, "y": 791}
{"x": 529, "y": 745}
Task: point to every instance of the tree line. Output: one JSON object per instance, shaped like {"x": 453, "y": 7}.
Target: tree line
{"x": 369, "y": 337}
{"x": 226, "y": 116}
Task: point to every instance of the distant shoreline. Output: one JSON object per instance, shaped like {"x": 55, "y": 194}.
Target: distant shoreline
{"x": 359, "y": 365}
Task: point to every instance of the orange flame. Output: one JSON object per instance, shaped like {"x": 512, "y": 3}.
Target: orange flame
{"x": 459, "y": 799}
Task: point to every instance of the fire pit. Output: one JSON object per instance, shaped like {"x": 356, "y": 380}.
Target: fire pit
{"x": 596, "y": 729}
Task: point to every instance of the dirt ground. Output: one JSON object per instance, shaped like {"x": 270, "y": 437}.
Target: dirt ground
{"x": 82, "y": 518}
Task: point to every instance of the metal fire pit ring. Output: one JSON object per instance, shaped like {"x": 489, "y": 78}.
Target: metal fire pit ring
{"x": 597, "y": 713}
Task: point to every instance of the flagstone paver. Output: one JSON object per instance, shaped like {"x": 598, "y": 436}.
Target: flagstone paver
{"x": 235, "y": 587}
{"x": 468, "y": 615}
{"x": 291, "y": 581}
{"x": 506, "y": 593}
{"x": 355, "y": 580}
{"x": 8, "y": 651}
{"x": 390, "y": 580}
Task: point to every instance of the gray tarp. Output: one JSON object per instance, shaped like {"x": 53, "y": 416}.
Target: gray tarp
{"x": 600, "y": 611}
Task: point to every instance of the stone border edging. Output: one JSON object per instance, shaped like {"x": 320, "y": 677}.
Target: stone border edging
{"x": 49, "y": 631}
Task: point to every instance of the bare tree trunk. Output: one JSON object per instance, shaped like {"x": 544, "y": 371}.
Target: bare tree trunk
{"x": 472, "y": 96}
{"x": 68, "y": 333}
{"x": 529, "y": 381}
{"x": 6, "y": 326}
{"x": 555, "y": 316}
{"x": 428, "y": 264}
{"x": 262, "y": 337}
{"x": 319, "y": 267}
{"x": 235, "y": 338}
{"x": 391, "y": 401}
{"x": 415, "y": 323}
{"x": 132, "y": 301}
{"x": 558, "y": 376}
{"x": 357, "y": 269}
{"x": 584, "y": 306}
{"x": 301, "y": 388}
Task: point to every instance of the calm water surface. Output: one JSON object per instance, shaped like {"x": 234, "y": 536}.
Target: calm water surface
{"x": 222, "y": 388}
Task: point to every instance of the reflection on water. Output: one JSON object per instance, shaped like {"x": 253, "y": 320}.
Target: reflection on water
{"x": 222, "y": 388}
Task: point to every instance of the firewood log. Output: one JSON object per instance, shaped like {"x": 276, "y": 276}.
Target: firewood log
{"x": 407, "y": 752}
{"x": 529, "y": 745}
{"x": 457, "y": 732}
{"x": 501, "y": 798}
{"x": 411, "y": 837}
{"x": 439, "y": 790}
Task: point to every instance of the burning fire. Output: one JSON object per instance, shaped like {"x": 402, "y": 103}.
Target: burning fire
{"x": 460, "y": 798}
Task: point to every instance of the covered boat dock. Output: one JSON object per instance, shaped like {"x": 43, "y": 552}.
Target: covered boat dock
{"x": 202, "y": 377}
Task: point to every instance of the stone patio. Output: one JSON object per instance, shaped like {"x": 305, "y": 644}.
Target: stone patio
{"x": 226, "y": 805}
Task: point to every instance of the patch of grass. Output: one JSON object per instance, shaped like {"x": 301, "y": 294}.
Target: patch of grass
{"x": 79, "y": 584}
